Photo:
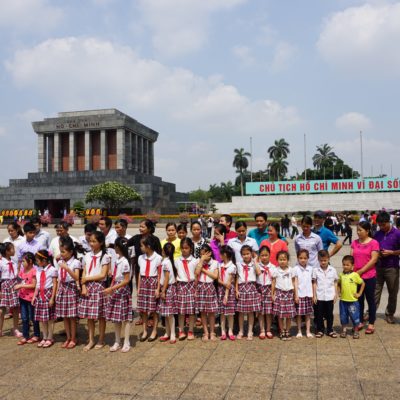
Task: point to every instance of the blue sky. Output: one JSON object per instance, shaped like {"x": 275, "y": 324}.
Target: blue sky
{"x": 207, "y": 75}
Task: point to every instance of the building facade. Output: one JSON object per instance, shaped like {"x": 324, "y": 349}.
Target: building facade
{"x": 77, "y": 150}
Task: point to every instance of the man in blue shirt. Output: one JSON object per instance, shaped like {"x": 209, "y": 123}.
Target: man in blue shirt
{"x": 326, "y": 235}
{"x": 261, "y": 232}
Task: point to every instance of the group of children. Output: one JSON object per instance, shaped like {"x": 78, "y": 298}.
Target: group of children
{"x": 174, "y": 288}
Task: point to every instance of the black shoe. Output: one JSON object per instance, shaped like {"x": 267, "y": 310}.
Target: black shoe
{"x": 152, "y": 339}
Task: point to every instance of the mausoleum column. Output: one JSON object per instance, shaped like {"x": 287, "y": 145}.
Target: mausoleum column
{"x": 140, "y": 154}
{"x": 41, "y": 152}
{"x": 50, "y": 152}
{"x": 57, "y": 152}
{"x": 103, "y": 149}
{"x": 128, "y": 150}
{"x": 72, "y": 152}
{"x": 88, "y": 151}
{"x": 120, "y": 148}
{"x": 145, "y": 156}
{"x": 135, "y": 152}
{"x": 151, "y": 158}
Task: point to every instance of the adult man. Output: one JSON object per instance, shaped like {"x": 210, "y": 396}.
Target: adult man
{"x": 387, "y": 268}
{"x": 295, "y": 229}
{"x": 261, "y": 232}
{"x": 226, "y": 220}
{"x": 326, "y": 235}
{"x": 62, "y": 231}
{"x": 42, "y": 236}
{"x": 285, "y": 223}
{"x": 105, "y": 225}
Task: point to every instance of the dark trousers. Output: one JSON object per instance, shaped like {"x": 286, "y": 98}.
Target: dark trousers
{"x": 369, "y": 294}
{"x": 391, "y": 277}
{"x": 295, "y": 231}
{"x": 324, "y": 309}
{"x": 27, "y": 315}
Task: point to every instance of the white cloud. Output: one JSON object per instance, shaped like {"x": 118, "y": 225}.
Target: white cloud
{"x": 283, "y": 54}
{"x": 244, "y": 55}
{"x": 363, "y": 40}
{"x": 180, "y": 26}
{"x": 29, "y": 15}
{"x": 73, "y": 72}
{"x": 378, "y": 155}
{"x": 353, "y": 122}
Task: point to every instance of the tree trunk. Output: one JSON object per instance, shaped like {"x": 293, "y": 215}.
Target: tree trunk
{"x": 241, "y": 182}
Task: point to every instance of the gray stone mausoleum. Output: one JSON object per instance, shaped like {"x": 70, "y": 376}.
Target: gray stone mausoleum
{"x": 77, "y": 150}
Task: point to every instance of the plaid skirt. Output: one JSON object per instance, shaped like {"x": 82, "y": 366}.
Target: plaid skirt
{"x": 249, "y": 298}
{"x": 168, "y": 306}
{"x": 43, "y": 312}
{"x": 230, "y": 307}
{"x": 305, "y": 306}
{"x": 185, "y": 298}
{"x": 67, "y": 299}
{"x": 93, "y": 306}
{"x": 266, "y": 299}
{"x": 147, "y": 302}
{"x": 119, "y": 305}
{"x": 9, "y": 297}
{"x": 284, "y": 304}
{"x": 206, "y": 298}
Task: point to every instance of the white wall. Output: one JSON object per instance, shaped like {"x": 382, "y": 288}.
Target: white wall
{"x": 311, "y": 202}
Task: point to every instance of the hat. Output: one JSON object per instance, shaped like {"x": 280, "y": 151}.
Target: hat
{"x": 320, "y": 214}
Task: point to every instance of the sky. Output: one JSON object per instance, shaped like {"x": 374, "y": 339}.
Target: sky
{"x": 208, "y": 75}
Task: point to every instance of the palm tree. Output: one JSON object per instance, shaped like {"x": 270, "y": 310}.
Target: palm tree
{"x": 241, "y": 163}
{"x": 278, "y": 167}
{"x": 324, "y": 157}
{"x": 228, "y": 189}
{"x": 280, "y": 149}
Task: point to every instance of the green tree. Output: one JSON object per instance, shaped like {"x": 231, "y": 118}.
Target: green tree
{"x": 324, "y": 157}
{"x": 278, "y": 168}
{"x": 280, "y": 149}
{"x": 112, "y": 194}
{"x": 240, "y": 162}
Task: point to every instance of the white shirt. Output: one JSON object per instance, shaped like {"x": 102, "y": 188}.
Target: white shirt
{"x": 111, "y": 236}
{"x": 5, "y": 272}
{"x": 50, "y": 272}
{"x": 43, "y": 238}
{"x": 55, "y": 246}
{"x": 284, "y": 279}
{"x": 312, "y": 243}
{"x": 251, "y": 272}
{"x": 325, "y": 280}
{"x": 265, "y": 278}
{"x": 304, "y": 279}
{"x": 236, "y": 245}
{"x": 96, "y": 265}
{"x": 212, "y": 267}
{"x": 293, "y": 221}
{"x": 72, "y": 264}
{"x": 120, "y": 268}
{"x": 17, "y": 243}
{"x": 85, "y": 244}
{"x": 229, "y": 270}
{"x": 155, "y": 263}
{"x": 166, "y": 266}
{"x": 191, "y": 263}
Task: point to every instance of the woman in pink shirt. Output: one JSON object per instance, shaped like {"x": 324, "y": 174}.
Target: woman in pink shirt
{"x": 365, "y": 251}
{"x": 273, "y": 242}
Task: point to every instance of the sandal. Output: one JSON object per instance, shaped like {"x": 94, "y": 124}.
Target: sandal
{"x": 88, "y": 347}
{"x": 310, "y": 336}
{"x": 22, "y": 342}
{"x": 204, "y": 338}
{"x": 48, "y": 343}
{"x": 115, "y": 347}
{"x": 71, "y": 345}
{"x": 139, "y": 322}
{"x": 223, "y": 336}
{"x": 262, "y": 336}
{"x": 65, "y": 344}
{"x": 299, "y": 335}
{"x": 17, "y": 333}
{"x": 356, "y": 335}
{"x": 181, "y": 336}
{"x": 288, "y": 336}
{"x": 249, "y": 337}
{"x": 190, "y": 336}
{"x": 125, "y": 348}
{"x": 232, "y": 337}
{"x": 164, "y": 338}
{"x": 282, "y": 336}
{"x": 343, "y": 334}
{"x": 239, "y": 336}
{"x": 270, "y": 335}
{"x": 41, "y": 343}
{"x": 172, "y": 341}
{"x": 370, "y": 331}
{"x": 332, "y": 335}
{"x": 99, "y": 346}
{"x": 213, "y": 337}
{"x": 319, "y": 335}
{"x": 33, "y": 339}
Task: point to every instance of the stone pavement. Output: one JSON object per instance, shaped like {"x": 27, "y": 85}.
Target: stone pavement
{"x": 325, "y": 368}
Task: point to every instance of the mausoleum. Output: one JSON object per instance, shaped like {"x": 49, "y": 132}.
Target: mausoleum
{"x": 77, "y": 150}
